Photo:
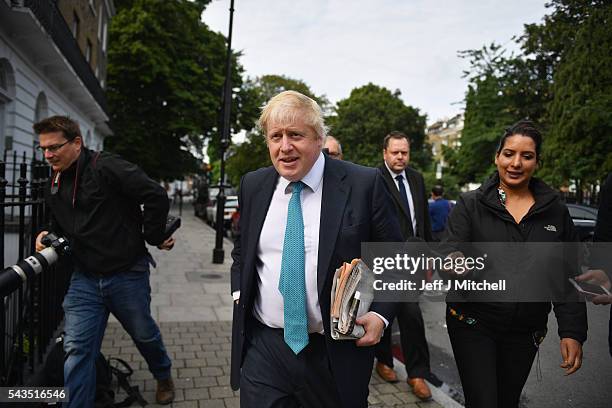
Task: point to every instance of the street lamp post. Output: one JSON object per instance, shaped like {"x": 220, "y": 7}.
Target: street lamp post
{"x": 218, "y": 253}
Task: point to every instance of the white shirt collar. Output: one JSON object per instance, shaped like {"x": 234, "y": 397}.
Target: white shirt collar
{"x": 312, "y": 179}
{"x": 394, "y": 174}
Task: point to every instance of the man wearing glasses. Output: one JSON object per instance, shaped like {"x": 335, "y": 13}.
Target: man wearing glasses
{"x": 95, "y": 201}
{"x": 332, "y": 147}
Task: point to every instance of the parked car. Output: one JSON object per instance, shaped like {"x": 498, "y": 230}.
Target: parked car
{"x": 211, "y": 210}
{"x": 584, "y": 219}
{"x": 231, "y": 202}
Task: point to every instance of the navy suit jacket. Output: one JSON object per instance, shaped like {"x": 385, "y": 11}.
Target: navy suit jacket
{"x": 355, "y": 207}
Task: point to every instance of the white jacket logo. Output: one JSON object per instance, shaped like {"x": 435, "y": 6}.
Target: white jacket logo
{"x": 550, "y": 228}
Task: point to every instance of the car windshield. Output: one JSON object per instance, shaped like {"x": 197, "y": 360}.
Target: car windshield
{"x": 231, "y": 204}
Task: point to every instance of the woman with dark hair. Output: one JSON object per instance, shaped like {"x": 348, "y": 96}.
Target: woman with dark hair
{"x": 495, "y": 344}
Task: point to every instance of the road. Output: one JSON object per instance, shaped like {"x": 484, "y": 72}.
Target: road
{"x": 590, "y": 387}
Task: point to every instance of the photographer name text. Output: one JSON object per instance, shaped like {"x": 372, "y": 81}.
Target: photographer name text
{"x": 440, "y": 284}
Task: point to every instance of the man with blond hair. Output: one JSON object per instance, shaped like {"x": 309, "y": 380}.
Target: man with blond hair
{"x": 300, "y": 219}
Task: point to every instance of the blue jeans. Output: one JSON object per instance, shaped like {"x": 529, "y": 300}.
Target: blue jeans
{"x": 90, "y": 299}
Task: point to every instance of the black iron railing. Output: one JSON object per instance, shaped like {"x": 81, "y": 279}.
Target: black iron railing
{"x": 30, "y": 315}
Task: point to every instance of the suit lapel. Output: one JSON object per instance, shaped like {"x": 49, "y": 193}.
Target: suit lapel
{"x": 333, "y": 202}
{"x": 393, "y": 189}
{"x": 260, "y": 202}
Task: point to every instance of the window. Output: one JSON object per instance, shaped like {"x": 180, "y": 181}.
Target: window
{"x": 2, "y": 113}
{"x": 88, "y": 52}
{"x": 7, "y": 94}
{"x": 42, "y": 109}
{"x": 582, "y": 213}
{"x": 100, "y": 21}
{"x": 40, "y": 112}
{"x": 104, "y": 35}
{"x": 75, "y": 25}
{"x": 7, "y": 81}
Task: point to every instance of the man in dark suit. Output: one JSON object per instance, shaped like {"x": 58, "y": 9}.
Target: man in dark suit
{"x": 300, "y": 219}
{"x": 408, "y": 190}
{"x": 602, "y": 239}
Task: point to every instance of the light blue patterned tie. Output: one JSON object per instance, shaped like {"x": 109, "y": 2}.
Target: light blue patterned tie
{"x": 292, "y": 283}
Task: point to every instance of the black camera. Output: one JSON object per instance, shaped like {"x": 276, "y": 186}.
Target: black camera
{"x": 14, "y": 276}
{"x": 59, "y": 244}
{"x": 172, "y": 224}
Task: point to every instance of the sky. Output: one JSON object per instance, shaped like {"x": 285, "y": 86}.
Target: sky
{"x": 336, "y": 46}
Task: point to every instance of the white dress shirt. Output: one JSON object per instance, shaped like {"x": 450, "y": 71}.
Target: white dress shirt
{"x": 408, "y": 193}
{"x": 269, "y": 301}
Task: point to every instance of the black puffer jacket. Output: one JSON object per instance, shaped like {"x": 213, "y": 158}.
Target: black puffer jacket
{"x": 479, "y": 216}
{"x": 96, "y": 205}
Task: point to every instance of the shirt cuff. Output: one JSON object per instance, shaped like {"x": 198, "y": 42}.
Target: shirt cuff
{"x": 236, "y": 295}
{"x": 385, "y": 321}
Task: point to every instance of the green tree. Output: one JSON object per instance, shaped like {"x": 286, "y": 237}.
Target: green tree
{"x": 364, "y": 118}
{"x": 253, "y": 152}
{"x": 501, "y": 90}
{"x": 268, "y": 86}
{"x": 579, "y": 142}
{"x": 166, "y": 71}
{"x": 562, "y": 81}
{"x": 548, "y": 43}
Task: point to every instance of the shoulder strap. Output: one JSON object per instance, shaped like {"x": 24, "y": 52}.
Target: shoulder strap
{"x": 95, "y": 159}
{"x": 123, "y": 371}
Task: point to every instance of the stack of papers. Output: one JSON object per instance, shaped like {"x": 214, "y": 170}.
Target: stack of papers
{"x": 348, "y": 279}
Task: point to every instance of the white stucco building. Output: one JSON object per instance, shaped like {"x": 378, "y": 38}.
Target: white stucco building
{"x": 53, "y": 62}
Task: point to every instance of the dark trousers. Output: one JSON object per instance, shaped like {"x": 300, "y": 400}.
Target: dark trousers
{"x": 493, "y": 365}
{"x": 412, "y": 339}
{"x": 273, "y": 376}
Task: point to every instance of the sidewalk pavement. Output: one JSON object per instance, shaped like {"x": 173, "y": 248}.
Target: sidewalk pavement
{"x": 192, "y": 304}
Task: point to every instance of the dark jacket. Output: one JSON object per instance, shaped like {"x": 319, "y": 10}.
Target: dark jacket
{"x": 419, "y": 198}
{"x": 97, "y": 207}
{"x": 601, "y": 251}
{"x": 479, "y": 216}
{"x": 355, "y": 208}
